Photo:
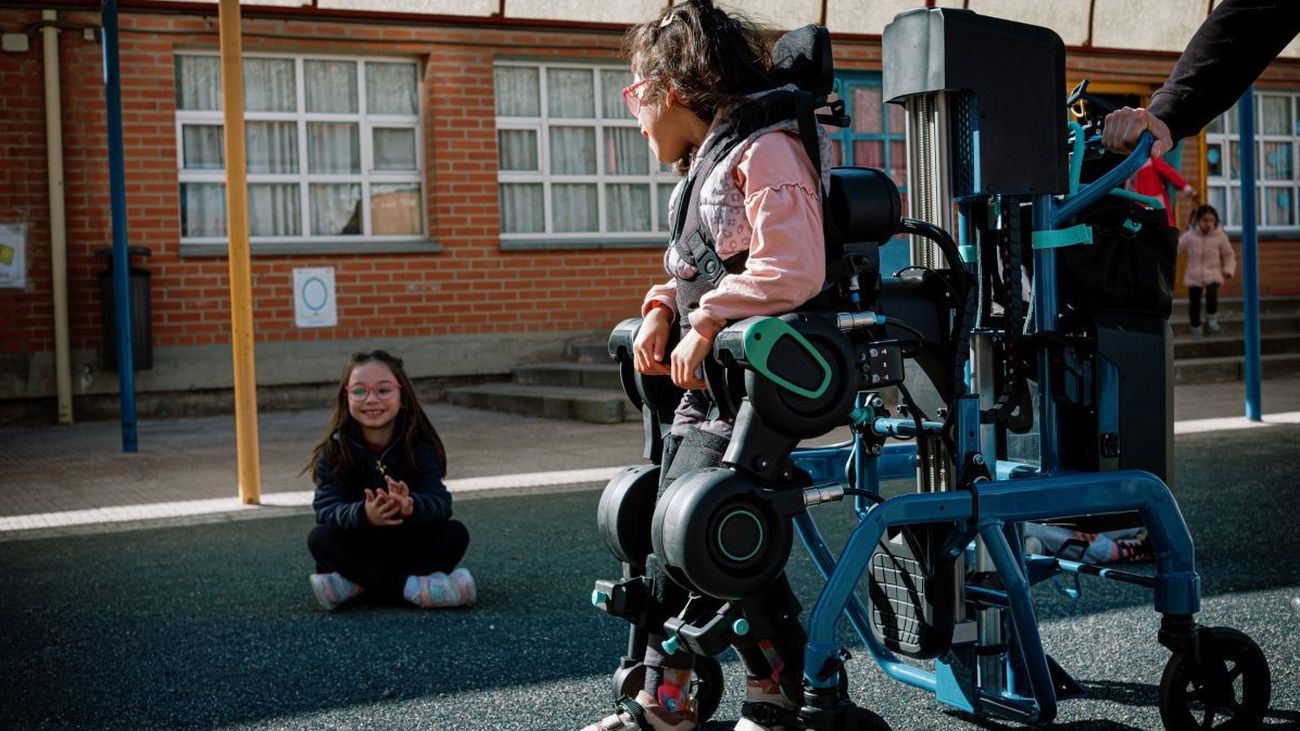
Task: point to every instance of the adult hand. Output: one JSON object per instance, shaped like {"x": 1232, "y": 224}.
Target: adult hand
{"x": 400, "y": 492}
{"x": 686, "y": 360}
{"x": 382, "y": 509}
{"x": 651, "y": 340}
{"x": 1191, "y": 192}
{"x": 1123, "y": 127}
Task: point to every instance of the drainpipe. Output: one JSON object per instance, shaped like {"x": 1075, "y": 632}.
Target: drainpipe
{"x": 58, "y": 227}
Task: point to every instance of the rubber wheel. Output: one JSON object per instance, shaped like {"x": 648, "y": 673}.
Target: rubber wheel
{"x": 1238, "y": 700}
{"x": 706, "y": 685}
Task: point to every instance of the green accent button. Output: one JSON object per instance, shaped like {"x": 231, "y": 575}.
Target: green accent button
{"x": 671, "y": 645}
{"x": 740, "y": 627}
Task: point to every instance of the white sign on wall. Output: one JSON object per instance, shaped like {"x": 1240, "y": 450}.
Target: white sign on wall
{"x": 13, "y": 255}
{"x": 313, "y": 297}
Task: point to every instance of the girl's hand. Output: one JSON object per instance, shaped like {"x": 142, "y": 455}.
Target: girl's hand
{"x": 651, "y": 339}
{"x": 399, "y": 492}
{"x": 382, "y": 509}
{"x": 686, "y": 360}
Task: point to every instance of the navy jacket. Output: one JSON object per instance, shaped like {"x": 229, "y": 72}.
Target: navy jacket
{"x": 342, "y": 502}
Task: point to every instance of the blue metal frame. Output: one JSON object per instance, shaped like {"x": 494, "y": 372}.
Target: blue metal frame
{"x": 990, "y": 510}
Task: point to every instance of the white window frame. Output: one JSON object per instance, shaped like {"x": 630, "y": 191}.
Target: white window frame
{"x": 658, "y": 174}
{"x": 1223, "y": 132}
{"x": 367, "y": 177}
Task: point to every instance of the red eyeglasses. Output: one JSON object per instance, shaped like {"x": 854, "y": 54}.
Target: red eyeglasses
{"x": 631, "y": 98}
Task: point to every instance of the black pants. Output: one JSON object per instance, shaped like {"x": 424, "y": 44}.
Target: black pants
{"x": 380, "y": 559}
{"x": 1194, "y": 303}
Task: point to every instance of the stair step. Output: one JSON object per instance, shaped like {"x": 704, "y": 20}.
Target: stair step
{"x": 1268, "y": 304}
{"x": 589, "y": 352}
{"x": 578, "y": 375}
{"x": 1233, "y": 324}
{"x": 597, "y": 406}
{"x": 1228, "y": 369}
{"x": 1223, "y": 346}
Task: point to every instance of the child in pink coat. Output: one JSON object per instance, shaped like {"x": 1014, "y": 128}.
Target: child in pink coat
{"x": 1210, "y": 260}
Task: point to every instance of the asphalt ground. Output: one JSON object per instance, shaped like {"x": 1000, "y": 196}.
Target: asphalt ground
{"x": 213, "y": 626}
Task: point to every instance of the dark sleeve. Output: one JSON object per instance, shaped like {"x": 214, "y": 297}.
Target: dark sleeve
{"x": 432, "y": 501}
{"x": 1229, "y": 51}
{"x": 332, "y": 505}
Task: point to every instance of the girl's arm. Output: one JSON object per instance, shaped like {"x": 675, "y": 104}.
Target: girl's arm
{"x": 787, "y": 253}
{"x": 661, "y": 295}
{"x": 332, "y": 506}
{"x": 432, "y": 501}
{"x": 1185, "y": 240}
{"x": 1228, "y": 255}
{"x": 1168, "y": 173}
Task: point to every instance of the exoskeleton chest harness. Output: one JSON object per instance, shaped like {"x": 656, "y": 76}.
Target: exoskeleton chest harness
{"x": 691, "y": 238}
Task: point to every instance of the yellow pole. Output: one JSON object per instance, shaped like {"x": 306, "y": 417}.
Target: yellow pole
{"x": 241, "y": 294}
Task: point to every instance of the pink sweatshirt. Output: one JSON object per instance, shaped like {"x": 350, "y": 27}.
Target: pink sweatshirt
{"x": 779, "y": 196}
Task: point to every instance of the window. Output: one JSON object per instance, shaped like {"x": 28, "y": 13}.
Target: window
{"x": 572, "y": 165}
{"x": 876, "y": 138}
{"x": 1277, "y": 137}
{"x": 332, "y": 147}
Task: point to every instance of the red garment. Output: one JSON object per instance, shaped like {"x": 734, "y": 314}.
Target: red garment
{"x": 1151, "y": 178}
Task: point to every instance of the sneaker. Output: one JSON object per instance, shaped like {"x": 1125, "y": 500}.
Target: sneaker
{"x": 1133, "y": 550}
{"x": 465, "y": 581}
{"x": 1196, "y": 332}
{"x": 644, "y": 712}
{"x": 433, "y": 591}
{"x": 766, "y": 708}
{"x": 1212, "y": 324}
{"x": 333, "y": 590}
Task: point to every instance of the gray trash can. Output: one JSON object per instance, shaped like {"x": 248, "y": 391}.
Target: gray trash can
{"x": 141, "y": 313}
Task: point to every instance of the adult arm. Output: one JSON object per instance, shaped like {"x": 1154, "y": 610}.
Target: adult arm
{"x": 1230, "y": 50}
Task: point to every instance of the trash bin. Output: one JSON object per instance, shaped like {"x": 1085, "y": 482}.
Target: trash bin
{"x": 141, "y": 313}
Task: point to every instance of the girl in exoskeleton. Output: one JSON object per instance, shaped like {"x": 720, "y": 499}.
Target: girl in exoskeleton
{"x": 696, "y": 69}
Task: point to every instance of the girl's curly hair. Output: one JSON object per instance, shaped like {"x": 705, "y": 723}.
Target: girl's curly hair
{"x": 708, "y": 58}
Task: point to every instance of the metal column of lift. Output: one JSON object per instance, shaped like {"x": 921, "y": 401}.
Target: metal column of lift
{"x": 929, "y": 147}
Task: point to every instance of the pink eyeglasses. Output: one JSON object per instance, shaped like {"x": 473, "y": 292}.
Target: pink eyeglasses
{"x": 384, "y": 390}
{"x": 631, "y": 98}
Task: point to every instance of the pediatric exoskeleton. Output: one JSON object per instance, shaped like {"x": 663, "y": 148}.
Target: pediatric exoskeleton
{"x": 1046, "y": 316}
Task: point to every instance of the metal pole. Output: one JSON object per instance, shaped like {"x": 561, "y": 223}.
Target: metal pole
{"x": 1249, "y": 254}
{"x": 121, "y": 262}
{"x": 58, "y": 217}
{"x": 241, "y": 289}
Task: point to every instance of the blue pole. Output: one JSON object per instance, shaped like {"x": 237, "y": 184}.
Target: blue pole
{"x": 121, "y": 262}
{"x": 1249, "y": 255}
{"x": 1045, "y": 313}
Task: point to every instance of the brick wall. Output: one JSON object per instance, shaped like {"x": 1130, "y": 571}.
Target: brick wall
{"x": 471, "y": 287}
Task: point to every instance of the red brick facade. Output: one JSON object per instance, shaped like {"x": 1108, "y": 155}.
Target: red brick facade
{"x": 470, "y": 287}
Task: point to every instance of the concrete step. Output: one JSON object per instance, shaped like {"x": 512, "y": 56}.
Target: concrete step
{"x": 589, "y": 352}
{"x": 1233, "y": 324}
{"x": 1268, "y": 304}
{"x": 1222, "y": 346}
{"x": 578, "y": 375}
{"x": 596, "y": 406}
{"x": 1228, "y": 369}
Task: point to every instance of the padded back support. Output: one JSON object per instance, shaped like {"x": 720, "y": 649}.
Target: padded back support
{"x": 863, "y": 204}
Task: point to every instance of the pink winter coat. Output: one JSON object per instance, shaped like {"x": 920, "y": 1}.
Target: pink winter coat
{"x": 1209, "y": 257}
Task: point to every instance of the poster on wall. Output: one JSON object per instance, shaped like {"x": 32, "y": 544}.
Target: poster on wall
{"x": 313, "y": 297}
{"x": 13, "y": 255}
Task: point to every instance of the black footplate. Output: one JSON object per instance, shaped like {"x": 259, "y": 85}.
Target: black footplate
{"x": 912, "y": 602}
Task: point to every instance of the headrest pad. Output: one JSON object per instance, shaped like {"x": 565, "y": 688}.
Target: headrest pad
{"x": 803, "y": 57}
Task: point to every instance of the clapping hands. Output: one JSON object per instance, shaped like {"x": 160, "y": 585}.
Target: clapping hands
{"x": 390, "y": 507}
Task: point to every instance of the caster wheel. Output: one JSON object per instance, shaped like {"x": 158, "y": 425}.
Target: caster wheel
{"x": 706, "y": 685}
{"x": 1193, "y": 696}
